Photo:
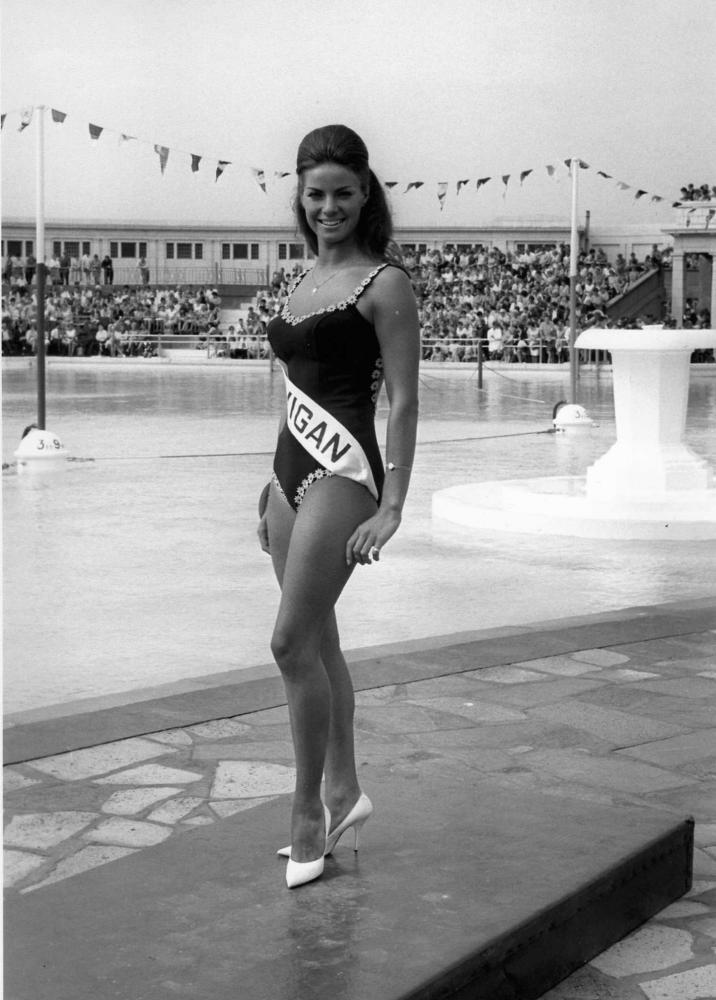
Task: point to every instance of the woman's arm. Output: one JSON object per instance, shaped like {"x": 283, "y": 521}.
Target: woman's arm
{"x": 394, "y": 315}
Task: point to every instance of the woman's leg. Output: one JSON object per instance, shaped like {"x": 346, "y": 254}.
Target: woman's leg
{"x": 342, "y": 787}
{"x": 309, "y": 557}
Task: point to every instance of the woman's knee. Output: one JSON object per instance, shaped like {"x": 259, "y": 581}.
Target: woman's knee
{"x": 293, "y": 652}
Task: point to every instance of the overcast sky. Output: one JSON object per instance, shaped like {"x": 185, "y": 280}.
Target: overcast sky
{"x": 441, "y": 90}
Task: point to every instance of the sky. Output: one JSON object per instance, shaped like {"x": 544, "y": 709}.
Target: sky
{"x": 440, "y": 90}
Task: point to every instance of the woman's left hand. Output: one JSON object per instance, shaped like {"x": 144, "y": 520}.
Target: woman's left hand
{"x": 368, "y": 539}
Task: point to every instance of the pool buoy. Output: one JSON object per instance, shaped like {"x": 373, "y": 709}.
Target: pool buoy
{"x": 571, "y": 416}
{"x": 40, "y": 451}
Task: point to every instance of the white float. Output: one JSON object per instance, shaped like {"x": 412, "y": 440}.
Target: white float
{"x": 572, "y": 416}
{"x": 649, "y": 484}
{"x": 40, "y": 451}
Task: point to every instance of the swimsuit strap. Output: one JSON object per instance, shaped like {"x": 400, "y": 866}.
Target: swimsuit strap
{"x": 351, "y": 300}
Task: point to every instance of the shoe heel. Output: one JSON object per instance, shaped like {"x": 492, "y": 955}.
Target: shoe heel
{"x": 356, "y": 830}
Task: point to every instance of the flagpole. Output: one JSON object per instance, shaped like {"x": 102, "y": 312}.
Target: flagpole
{"x": 40, "y": 266}
{"x": 573, "y": 255}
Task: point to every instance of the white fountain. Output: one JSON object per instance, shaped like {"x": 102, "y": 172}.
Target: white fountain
{"x": 649, "y": 484}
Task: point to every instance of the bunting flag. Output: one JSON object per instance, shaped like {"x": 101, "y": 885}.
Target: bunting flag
{"x": 259, "y": 175}
{"x": 163, "y": 154}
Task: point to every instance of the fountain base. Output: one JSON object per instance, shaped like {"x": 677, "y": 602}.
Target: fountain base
{"x": 559, "y": 505}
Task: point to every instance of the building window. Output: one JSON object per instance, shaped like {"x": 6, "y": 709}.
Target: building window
{"x": 14, "y": 248}
{"x": 239, "y": 251}
{"x": 113, "y": 249}
{"x": 128, "y": 251}
{"x": 181, "y": 251}
{"x": 29, "y": 247}
{"x": 291, "y": 251}
{"x": 86, "y": 247}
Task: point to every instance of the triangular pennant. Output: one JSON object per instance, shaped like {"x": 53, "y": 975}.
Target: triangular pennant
{"x": 391, "y": 184}
{"x": 505, "y": 181}
{"x": 58, "y": 116}
{"x": 25, "y": 119}
{"x": 123, "y": 137}
{"x": 550, "y": 170}
{"x": 163, "y": 154}
{"x": 602, "y": 174}
{"x": 414, "y": 184}
{"x": 442, "y": 191}
{"x": 461, "y": 185}
{"x": 622, "y": 186}
{"x": 260, "y": 178}
{"x": 195, "y": 161}
{"x": 481, "y": 181}
{"x": 583, "y": 165}
{"x": 655, "y": 197}
{"x": 2, "y": 120}
{"x": 95, "y": 131}
{"x": 568, "y": 164}
{"x": 640, "y": 194}
{"x": 676, "y": 204}
{"x": 525, "y": 173}
{"x": 220, "y": 167}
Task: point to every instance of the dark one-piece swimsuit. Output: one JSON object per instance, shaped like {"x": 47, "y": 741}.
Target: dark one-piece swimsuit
{"x": 333, "y": 370}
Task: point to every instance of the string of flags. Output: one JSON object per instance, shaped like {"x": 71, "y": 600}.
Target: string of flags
{"x": 260, "y": 175}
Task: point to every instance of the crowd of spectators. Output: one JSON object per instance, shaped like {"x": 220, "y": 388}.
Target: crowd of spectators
{"x": 513, "y": 306}
{"x": 702, "y": 193}
{"x": 121, "y": 322}
{"x": 502, "y": 306}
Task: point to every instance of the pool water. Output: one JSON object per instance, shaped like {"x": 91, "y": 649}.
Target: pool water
{"x": 139, "y": 566}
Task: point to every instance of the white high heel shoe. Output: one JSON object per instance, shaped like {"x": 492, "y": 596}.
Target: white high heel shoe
{"x": 300, "y": 872}
{"x": 355, "y": 818}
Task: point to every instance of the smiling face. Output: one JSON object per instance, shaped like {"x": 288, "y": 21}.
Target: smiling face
{"x": 332, "y": 197}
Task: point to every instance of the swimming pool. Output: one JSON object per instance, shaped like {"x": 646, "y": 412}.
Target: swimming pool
{"x": 139, "y": 566}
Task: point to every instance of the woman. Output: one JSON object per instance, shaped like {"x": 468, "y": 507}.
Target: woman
{"x": 346, "y": 325}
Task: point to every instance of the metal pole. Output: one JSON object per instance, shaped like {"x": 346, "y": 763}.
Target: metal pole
{"x": 40, "y": 255}
{"x": 479, "y": 362}
{"x": 573, "y": 255}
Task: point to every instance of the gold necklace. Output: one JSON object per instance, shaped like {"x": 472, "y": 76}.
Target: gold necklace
{"x": 324, "y": 282}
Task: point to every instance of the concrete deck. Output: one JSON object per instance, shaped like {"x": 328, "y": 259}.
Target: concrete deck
{"x": 533, "y": 789}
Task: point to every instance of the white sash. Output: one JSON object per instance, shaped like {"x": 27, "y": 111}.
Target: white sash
{"x": 326, "y": 438}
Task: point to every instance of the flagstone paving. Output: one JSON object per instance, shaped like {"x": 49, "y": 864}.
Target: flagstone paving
{"x": 624, "y": 725}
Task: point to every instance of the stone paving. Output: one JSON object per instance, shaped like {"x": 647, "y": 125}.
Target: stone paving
{"x": 631, "y": 724}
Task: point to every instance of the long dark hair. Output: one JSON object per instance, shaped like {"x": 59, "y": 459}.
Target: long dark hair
{"x": 340, "y": 144}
